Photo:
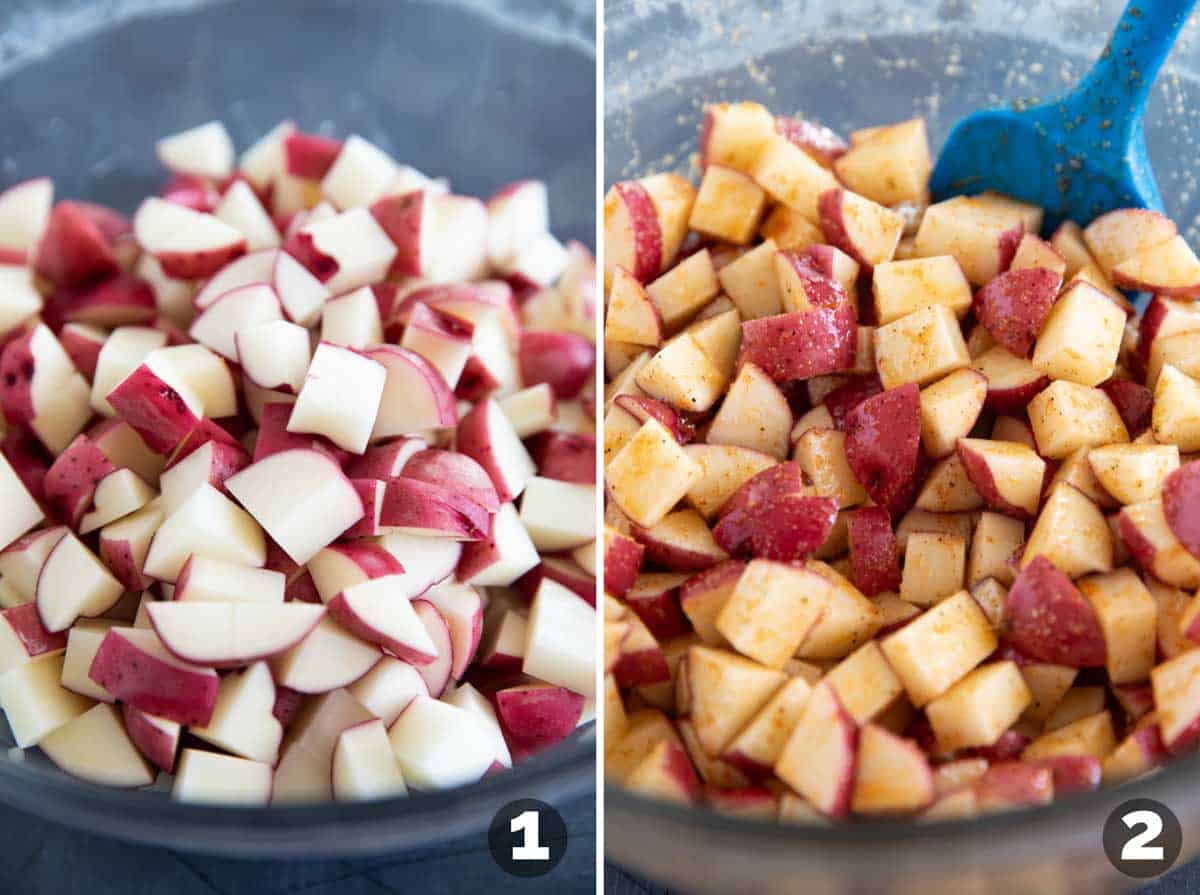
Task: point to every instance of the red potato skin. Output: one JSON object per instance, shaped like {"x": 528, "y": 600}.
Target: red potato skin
{"x": 535, "y": 718}
{"x": 829, "y": 210}
{"x": 574, "y": 578}
{"x": 663, "y": 553}
{"x": 845, "y": 398}
{"x": 371, "y": 559}
{"x": 196, "y": 265}
{"x": 368, "y": 491}
{"x": 981, "y": 478}
{"x": 1152, "y": 319}
{"x": 648, "y": 666}
{"x": 28, "y": 460}
{"x": 873, "y": 552}
{"x": 191, "y": 192}
{"x": 1181, "y": 505}
{"x": 157, "y": 746}
{"x": 659, "y": 611}
{"x": 71, "y": 480}
{"x": 74, "y": 249}
{"x": 1015, "y": 783}
{"x": 755, "y": 493}
{"x": 1014, "y": 305}
{"x": 1138, "y": 546}
{"x": 410, "y": 503}
{"x": 1014, "y": 400}
{"x": 622, "y": 561}
{"x": 820, "y": 289}
{"x": 345, "y": 616}
{"x": 447, "y": 411}
{"x": 1008, "y": 747}
{"x": 401, "y": 218}
{"x": 227, "y": 459}
{"x": 119, "y": 300}
{"x": 1136, "y": 699}
{"x": 288, "y": 703}
{"x": 380, "y": 461}
{"x": 785, "y": 528}
{"x": 565, "y": 456}
{"x": 310, "y": 155}
{"x": 647, "y": 232}
{"x": 1072, "y": 773}
{"x": 155, "y": 410}
{"x": 119, "y": 558}
{"x": 154, "y": 686}
{"x": 651, "y": 408}
{"x": 274, "y": 438}
{"x": 823, "y": 144}
{"x": 495, "y": 293}
{"x": 27, "y": 625}
{"x": 302, "y": 590}
{"x": 801, "y": 344}
{"x": 474, "y": 440}
{"x": 1134, "y": 403}
{"x": 17, "y": 369}
{"x": 83, "y": 351}
{"x": 476, "y": 381}
{"x": 883, "y": 435}
{"x": 301, "y": 247}
{"x": 447, "y": 469}
{"x": 437, "y": 673}
{"x": 563, "y": 360}
{"x": 1007, "y": 244}
{"x": 1048, "y": 619}
{"x": 710, "y": 579}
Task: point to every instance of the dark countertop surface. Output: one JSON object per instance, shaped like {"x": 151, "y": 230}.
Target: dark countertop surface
{"x": 42, "y": 858}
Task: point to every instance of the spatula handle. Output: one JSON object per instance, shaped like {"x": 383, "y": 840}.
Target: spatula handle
{"x": 1116, "y": 89}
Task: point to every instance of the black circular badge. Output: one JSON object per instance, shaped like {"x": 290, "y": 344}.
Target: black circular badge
{"x": 1142, "y": 838}
{"x": 529, "y": 838}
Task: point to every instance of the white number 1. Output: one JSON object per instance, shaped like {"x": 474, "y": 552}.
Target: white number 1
{"x": 1137, "y": 849}
{"x": 529, "y": 850}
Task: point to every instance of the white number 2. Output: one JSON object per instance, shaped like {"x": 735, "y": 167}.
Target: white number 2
{"x": 529, "y": 849}
{"x": 1137, "y": 849}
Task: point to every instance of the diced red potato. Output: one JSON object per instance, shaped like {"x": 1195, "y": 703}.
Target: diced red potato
{"x": 342, "y": 427}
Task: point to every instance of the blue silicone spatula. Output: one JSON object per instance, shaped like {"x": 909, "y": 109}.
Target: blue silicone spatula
{"x": 1083, "y": 153}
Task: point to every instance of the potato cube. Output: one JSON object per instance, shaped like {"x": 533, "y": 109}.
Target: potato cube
{"x": 934, "y": 567}
{"x": 727, "y": 690}
{"x": 1067, "y": 416}
{"x": 1072, "y": 533}
{"x": 754, "y": 415}
{"x": 980, "y": 707}
{"x": 821, "y": 453}
{"x": 1128, "y": 616}
{"x": 1092, "y": 736}
{"x": 969, "y": 228}
{"x": 1176, "y": 418}
{"x": 920, "y": 347}
{"x": 751, "y": 283}
{"x": 772, "y": 609}
{"x": 650, "y": 474}
{"x": 949, "y": 409}
{"x": 901, "y": 287}
{"x": 892, "y": 166}
{"x": 728, "y": 205}
{"x": 1081, "y": 338}
{"x": 995, "y": 540}
{"x": 865, "y": 683}
{"x": 849, "y": 619}
{"x": 936, "y": 650}
{"x": 1048, "y": 684}
{"x": 723, "y": 469}
{"x": 680, "y": 293}
{"x": 792, "y": 177}
{"x": 758, "y": 746}
{"x": 682, "y": 375}
{"x": 789, "y": 229}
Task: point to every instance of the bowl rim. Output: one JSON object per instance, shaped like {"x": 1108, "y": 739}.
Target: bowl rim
{"x": 332, "y": 829}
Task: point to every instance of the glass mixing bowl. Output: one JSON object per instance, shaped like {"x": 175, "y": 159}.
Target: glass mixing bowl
{"x": 483, "y": 93}
{"x": 848, "y": 64}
